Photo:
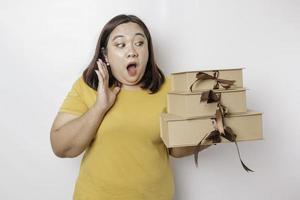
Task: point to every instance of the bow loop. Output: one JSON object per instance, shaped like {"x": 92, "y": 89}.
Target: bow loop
{"x": 201, "y": 76}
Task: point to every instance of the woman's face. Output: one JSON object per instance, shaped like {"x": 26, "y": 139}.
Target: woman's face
{"x": 127, "y": 53}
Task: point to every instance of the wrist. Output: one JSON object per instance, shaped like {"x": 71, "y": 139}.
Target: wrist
{"x": 99, "y": 108}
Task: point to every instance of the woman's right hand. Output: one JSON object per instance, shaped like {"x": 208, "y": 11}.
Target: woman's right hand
{"x": 105, "y": 96}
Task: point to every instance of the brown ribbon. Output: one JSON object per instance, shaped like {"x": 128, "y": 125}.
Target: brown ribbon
{"x": 201, "y": 76}
{"x": 210, "y": 96}
{"x": 220, "y": 131}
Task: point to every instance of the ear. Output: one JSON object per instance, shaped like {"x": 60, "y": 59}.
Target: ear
{"x": 106, "y": 59}
{"x": 104, "y": 52}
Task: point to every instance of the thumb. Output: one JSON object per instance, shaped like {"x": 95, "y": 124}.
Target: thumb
{"x": 116, "y": 90}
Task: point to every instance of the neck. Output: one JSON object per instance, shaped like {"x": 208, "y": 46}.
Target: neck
{"x": 131, "y": 87}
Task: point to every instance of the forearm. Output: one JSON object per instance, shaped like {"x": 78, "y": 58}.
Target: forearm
{"x": 179, "y": 152}
{"x": 73, "y": 137}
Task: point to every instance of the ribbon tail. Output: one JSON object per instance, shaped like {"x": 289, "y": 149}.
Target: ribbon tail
{"x": 196, "y": 152}
{"x": 191, "y": 87}
{"x": 244, "y": 166}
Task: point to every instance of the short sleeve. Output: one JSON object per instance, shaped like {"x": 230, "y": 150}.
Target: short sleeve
{"x": 73, "y": 102}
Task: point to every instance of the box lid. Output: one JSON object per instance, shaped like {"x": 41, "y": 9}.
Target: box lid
{"x": 172, "y": 117}
{"x": 209, "y": 70}
{"x": 201, "y": 91}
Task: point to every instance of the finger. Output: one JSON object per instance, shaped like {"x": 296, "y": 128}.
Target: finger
{"x": 99, "y": 60}
{"x": 105, "y": 72}
{"x": 99, "y": 63}
{"x": 116, "y": 90}
{"x": 106, "y": 69}
{"x": 99, "y": 76}
{"x": 100, "y": 79}
{"x": 101, "y": 70}
{"x": 100, "y": 67}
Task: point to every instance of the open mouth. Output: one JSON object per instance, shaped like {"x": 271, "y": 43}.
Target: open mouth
{"x": 131, "y": 68}
{"x": 133, "y": 65}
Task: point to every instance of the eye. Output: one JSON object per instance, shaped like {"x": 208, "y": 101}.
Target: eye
{"x": 139, "y": 43}
{"x": 120, "y": 45}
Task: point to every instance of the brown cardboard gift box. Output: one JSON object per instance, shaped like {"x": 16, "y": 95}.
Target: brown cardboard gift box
{"x": 177, "y": 131}
{"x": 187, "y": 104}
{"x": 182, "y": 81}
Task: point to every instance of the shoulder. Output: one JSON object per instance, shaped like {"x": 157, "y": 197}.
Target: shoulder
{"x": 79, "y": 87}
{"x": 79, "y": 81}
{"x": 80, "y": 84}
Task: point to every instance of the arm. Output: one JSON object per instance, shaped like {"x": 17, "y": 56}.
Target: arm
{"x": 70, "y": 134}
{"x": 179, "y": 152}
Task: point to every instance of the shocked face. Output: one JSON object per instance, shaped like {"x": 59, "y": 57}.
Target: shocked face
{"x": 127, "y": 53}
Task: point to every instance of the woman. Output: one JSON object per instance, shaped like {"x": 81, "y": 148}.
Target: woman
{"x": 112, "y": 113}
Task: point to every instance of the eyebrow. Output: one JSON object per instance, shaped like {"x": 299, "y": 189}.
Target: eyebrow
{"x": 117, "y": 36}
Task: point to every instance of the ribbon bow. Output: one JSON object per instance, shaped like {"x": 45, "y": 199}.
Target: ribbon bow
{"x": 220, "y": 131}
{"x": 210, "y": 96}
{"x": 201, "y": 76}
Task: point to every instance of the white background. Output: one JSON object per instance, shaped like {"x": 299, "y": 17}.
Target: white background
{"x": 45, "y": 45}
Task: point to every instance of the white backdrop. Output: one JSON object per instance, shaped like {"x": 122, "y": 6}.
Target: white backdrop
{"x": 45, "y": 45}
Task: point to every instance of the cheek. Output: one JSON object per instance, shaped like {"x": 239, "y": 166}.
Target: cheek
{"x": 114, "y": 58}
{"x": 114, "y": 62}
{"x": 145, "y": 55}
{"x": 114, "y": 71}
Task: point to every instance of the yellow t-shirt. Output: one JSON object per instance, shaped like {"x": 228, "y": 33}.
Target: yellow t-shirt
{"x": 127, "y": 160}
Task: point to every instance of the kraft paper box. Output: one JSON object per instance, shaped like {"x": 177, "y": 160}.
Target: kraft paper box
{"x": 182, "y": 81}
{"x": 177, "y": 131}
{"x": 187, "y": 104}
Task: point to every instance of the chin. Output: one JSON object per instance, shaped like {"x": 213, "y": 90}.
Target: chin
{"x": 132, "y": 80}
{"x": 135, "y": 82}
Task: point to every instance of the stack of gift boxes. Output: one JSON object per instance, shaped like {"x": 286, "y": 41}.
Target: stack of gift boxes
{"x": 189, "y": 118}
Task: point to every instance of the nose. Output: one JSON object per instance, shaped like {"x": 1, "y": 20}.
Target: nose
{"x": 132, "y": 52}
